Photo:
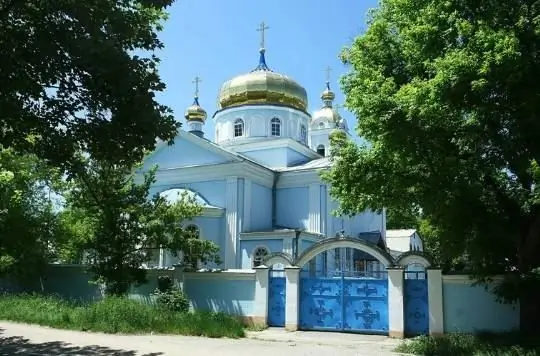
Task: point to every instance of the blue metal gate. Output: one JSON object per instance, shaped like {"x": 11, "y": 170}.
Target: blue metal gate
{"x": 276, "y": 298}
{"x": 416, "y": 303}
{"x": 344, "y": 303}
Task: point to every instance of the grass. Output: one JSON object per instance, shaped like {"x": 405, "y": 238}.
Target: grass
{"x": 486, "y": 344}
{"x": 116, "y": 315}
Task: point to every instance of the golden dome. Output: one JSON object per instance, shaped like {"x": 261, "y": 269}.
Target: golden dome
{"x": 327, "y": 115}
{"x": 327, "y": 94}
{"x": 195, "y": 112}
{"x": 263, "y": 86}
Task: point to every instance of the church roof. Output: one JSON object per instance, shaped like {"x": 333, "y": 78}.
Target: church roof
{"x": 318, "y": 163}
{"x": 399, "y": 240}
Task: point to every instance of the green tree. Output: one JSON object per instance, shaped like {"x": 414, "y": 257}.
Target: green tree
{"x": 446, "y": 94}
{"x": 82, "y": 76}
{"x": 124, "y": 226}
{"x": 28, "y": 219}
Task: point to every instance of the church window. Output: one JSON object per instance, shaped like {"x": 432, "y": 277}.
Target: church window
{"x": 259, "y": 255}
{"x": 238, "y": 128}
{"x": 275, "y": 127}
{"x": 321, "y": 150}
{"x": 191, "y": 258}
{"x": 303, "y": 134}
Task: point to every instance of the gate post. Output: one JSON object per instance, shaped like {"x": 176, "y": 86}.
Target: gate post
{"x": 396, "y": 324}
{"x": 260, "y": 309}
{"x": 435, "y": 302}
{"x": 292, "y": 275}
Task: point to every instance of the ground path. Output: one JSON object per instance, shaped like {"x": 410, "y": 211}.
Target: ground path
{"x": 25, "y": 340}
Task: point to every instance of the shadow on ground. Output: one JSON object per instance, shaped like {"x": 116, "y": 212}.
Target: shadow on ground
{"x": 17, "y": 345}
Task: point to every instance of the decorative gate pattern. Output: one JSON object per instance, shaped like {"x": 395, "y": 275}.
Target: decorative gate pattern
{"x": 415, "y": 296}
{"x": 354, "y": 304}
{"x": 276, "y": 298}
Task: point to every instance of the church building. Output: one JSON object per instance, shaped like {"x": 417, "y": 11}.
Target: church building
{"x": 259, "y": 180}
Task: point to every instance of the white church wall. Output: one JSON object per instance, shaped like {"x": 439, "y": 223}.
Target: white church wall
{"x": 257, "y": 123}
{"x": 260, "y": 208}
{"x": 174, "y": 156}
{"x": 248, "y": 247}
{"x": 292, "y": 207}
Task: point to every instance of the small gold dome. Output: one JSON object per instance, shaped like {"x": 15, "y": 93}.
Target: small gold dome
{"x": 327, "y": 94}
{"x": 195, "y": 112}
{"x": 263, "y": 86}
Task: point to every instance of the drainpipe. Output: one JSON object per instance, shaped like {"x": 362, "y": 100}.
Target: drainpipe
{"x": 296, "y": 238}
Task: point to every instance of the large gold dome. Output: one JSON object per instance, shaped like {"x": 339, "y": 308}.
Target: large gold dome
{"x": 263, "y": 86}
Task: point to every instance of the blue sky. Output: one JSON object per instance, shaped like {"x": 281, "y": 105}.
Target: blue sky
{"x": 217, "y": 40}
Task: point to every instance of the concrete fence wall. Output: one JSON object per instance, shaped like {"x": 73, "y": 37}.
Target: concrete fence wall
{"x": 455, "y": 303}
{"x": 470, "y": 308}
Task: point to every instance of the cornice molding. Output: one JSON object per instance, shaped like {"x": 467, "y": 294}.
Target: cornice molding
{"x": 219, "y": 171}
{"x": 302, "y": 178}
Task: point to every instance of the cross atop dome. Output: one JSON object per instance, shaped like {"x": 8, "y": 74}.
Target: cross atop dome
{"x": 262, "y": 60}
{"x": 262, "y": 28}
{"x": 196, "y": 81}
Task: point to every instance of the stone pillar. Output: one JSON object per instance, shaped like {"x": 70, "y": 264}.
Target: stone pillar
{"x": 260, "y": 312}
{"x": 292, "y": 281}
{"x": 396, "y": 322}
{"x": 435, "y": 302}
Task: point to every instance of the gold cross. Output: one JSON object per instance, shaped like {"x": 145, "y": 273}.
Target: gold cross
{"x": 328, "y": 70}
{"x": 197, "y": 80}
{"x": 261, "y": 29}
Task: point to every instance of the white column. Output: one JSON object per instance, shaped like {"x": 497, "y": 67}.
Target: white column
{"x": 260, "y": 313}
{"x": 292, "y": 275}
{"x": 314, "y": 205}
{"x": 435, "y": 302}
{"x": 231, "y": 221}
{"x": 246, "y": 225}
{"x": 396, "y": 323}
{"x": 288, "y": 245}
{"x": 161, "y": 261}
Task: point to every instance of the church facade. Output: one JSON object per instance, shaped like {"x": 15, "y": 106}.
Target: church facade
{"x": 259, "y": 180}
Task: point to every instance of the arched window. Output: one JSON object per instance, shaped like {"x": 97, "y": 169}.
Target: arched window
{"x": 275, "y": 127}
{"x": 259, "y": 254}
{"x": 321, "y": 150}
{"x": 321, "y": 125}
{"x": 238, "y": 128}
{"x": 303, "y": 134}
{"x": 193, "y": 231}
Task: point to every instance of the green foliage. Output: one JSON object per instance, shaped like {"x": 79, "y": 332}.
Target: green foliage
{"x": 30, "y": 229}
{"x": 511, "y": 344}
{"x": 71, "y": 80}
{"x": 116, "y": 315}
{"x": 124, "y": 226}
{"x": 170, "y": 297}
{"x": 446, "y": 95}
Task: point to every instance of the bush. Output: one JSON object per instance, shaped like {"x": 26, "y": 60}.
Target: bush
{"x": 170, "y": 297}
{"x": 116, "y": 315}
{"x": 485, "y": 344}
{"x": 173, "y": 300}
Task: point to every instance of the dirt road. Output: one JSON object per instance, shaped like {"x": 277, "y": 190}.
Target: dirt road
{"x": 20, "y": 339}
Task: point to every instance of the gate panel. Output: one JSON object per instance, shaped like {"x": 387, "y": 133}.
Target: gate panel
{"x": 353, "y": 304}
{"x": 365, "y": 304}
{"x": 276, "y": 298}
{"x": 416, "y": 304}
{"x": 321, "y": 304}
